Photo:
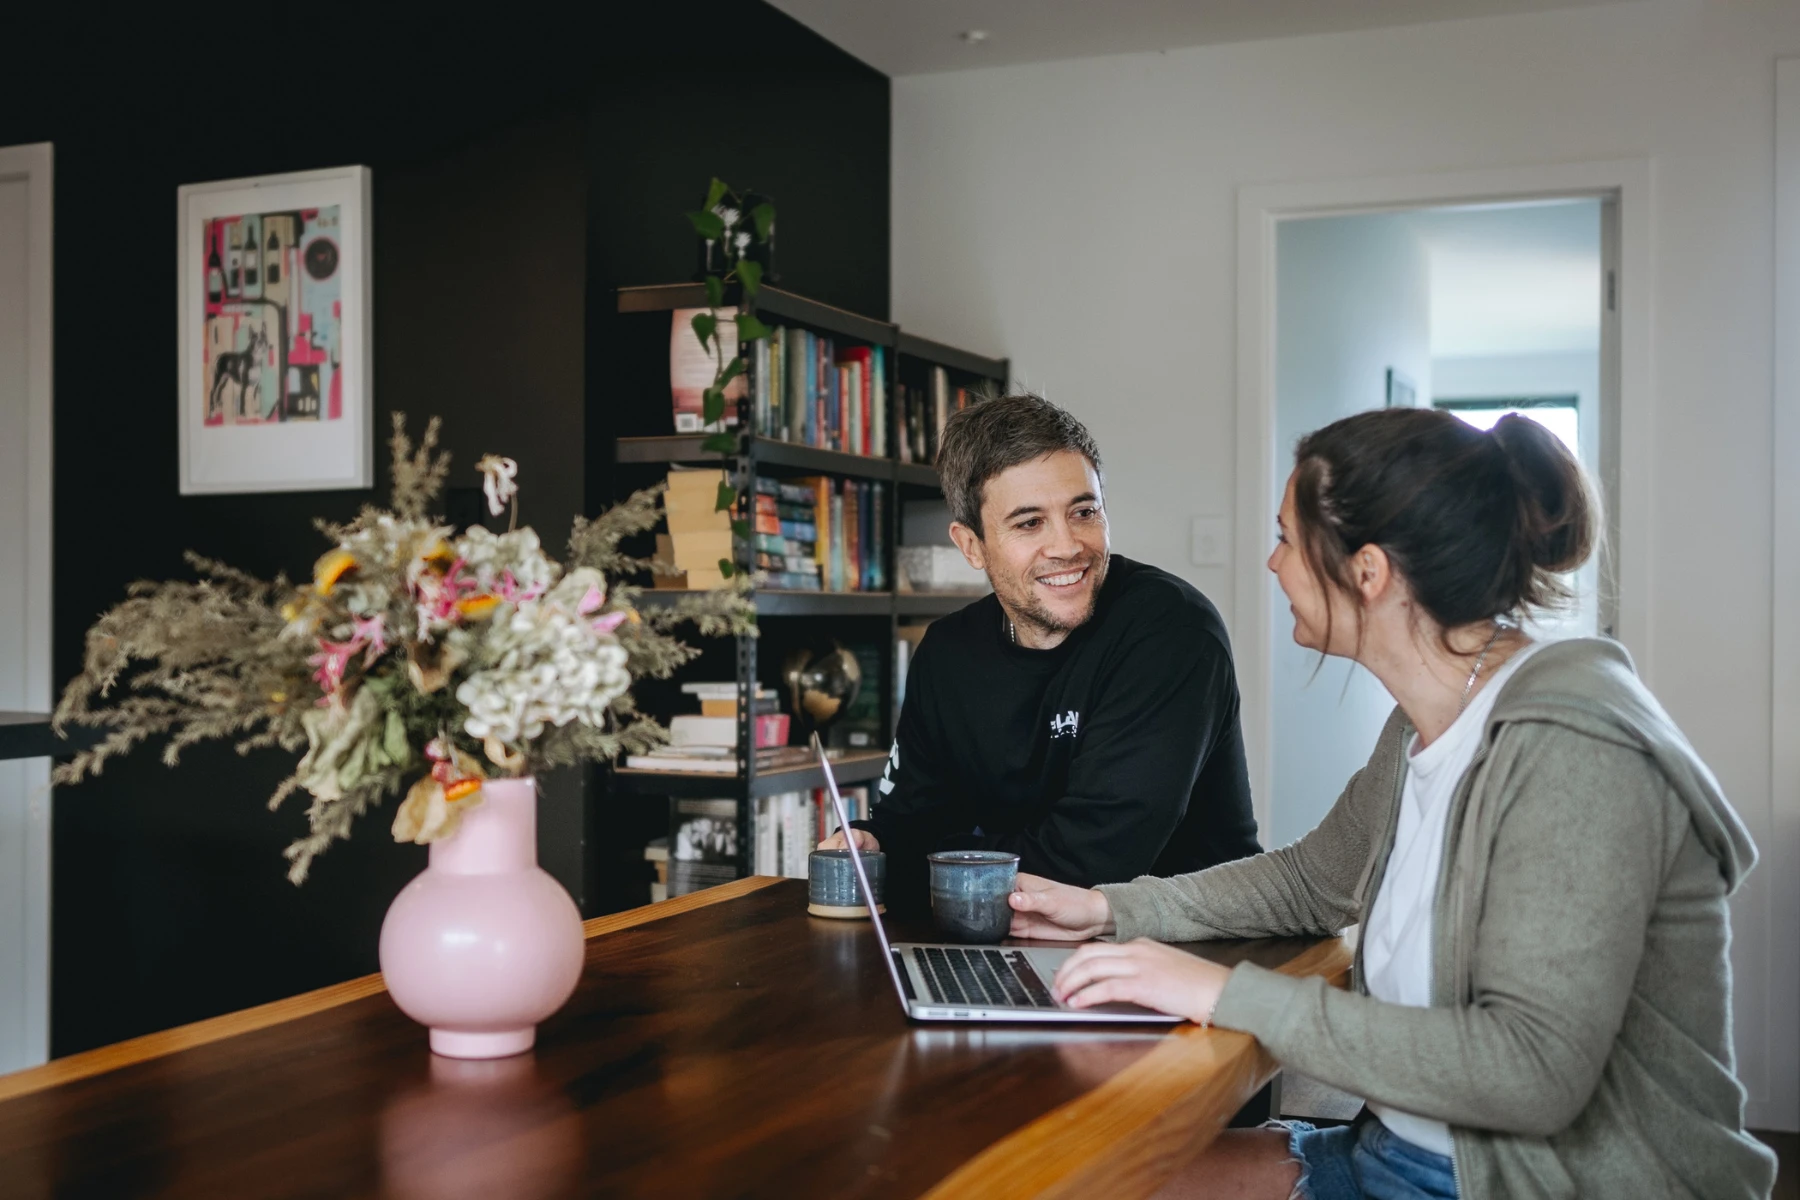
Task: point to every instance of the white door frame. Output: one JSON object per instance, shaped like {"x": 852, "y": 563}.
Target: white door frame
{"x": 1260, "y": 211}
{"x": 27, "y": 990}
{"x": 1783, "y": 856}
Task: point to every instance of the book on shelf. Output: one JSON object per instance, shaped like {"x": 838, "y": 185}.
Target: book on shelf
{"x": 703, "y": 844}
{"x": 690, "y": 730}
{"x": 787, "y": 827}
{"x": 699, "y": 534}
{"x": 821, "y": 534}
{"x": 923, "y": 411}
{"x": 810, "y": 390}
{"x": 692, "y": 369}
{"x": 717, "y": 760}
{"x": 906, "y": 644}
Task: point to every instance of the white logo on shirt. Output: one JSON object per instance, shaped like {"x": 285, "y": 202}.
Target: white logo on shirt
{"x": 887, "y": 775}
{"x": 1065, "y": 725}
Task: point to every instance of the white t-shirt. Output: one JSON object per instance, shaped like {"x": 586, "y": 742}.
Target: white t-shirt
{"x": 1397, "y": 937}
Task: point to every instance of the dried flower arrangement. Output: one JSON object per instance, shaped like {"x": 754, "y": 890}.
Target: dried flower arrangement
{"x": 415, "y": 650}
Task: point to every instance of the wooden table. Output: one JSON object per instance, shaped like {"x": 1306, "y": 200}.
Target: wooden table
{"x": 720, "y": 1044}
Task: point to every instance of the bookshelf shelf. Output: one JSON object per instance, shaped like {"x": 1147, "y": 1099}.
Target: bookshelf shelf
{"x": 933, "y": 604}
{"x": 904, "y": 381}
{"x": 775, "y": 602}
{"x": 914, "y": 346}
{"x": 770, "y": 301}
{"x": 856, "y": 766}
{"x": 771, "y": 452}
{"x": 916, "y": 475}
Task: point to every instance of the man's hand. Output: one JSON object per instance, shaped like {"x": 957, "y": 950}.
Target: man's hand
{"x": 865, "y": 841}
{"x": 1142, "y": 972}
{"x": 1057, "y": 912}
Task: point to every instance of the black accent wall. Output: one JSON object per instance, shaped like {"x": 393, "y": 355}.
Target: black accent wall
{"x": 521, "y": 171}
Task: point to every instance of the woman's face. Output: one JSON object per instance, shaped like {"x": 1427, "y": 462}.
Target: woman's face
{"x": 1308, "y": 598}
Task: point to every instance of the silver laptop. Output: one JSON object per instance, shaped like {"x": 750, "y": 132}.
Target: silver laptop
{"x": 951, "y": 982}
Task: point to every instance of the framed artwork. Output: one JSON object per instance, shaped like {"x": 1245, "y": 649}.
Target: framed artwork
{"x": 273, "y": 287}
{"x": 1401, "y": 392}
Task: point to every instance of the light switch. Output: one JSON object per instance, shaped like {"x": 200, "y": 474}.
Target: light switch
{"x": 1210, "y": 542}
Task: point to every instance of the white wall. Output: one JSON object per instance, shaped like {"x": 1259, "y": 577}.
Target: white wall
{"x": 1353, "y": 298}
{"x": 1080, "y": 217}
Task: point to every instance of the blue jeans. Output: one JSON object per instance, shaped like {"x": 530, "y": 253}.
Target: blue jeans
{"x": 1366, "y": 1161}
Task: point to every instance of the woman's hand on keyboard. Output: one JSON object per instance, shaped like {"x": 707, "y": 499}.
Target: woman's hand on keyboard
{"x": 1057, "y": 912}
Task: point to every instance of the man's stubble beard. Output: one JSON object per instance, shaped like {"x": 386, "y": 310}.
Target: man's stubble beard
{"x": 1031, "y": 611}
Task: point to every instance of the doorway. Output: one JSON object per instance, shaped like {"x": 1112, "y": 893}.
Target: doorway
{"x": 25, "y": 684}
{"x": 1480, "y": 294}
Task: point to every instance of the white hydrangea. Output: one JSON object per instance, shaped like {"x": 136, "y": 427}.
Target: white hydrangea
{"x": 489, "y": 558}
{"x": 544, "y": 663}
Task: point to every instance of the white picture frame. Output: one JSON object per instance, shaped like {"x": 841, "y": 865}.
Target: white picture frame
{"x": 276, "y": 350}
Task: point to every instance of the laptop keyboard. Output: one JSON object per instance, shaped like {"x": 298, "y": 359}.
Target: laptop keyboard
{"x": 957, "y": 976}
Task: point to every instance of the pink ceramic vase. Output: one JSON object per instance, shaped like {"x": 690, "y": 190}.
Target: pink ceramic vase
{"x": 484, "y": 944}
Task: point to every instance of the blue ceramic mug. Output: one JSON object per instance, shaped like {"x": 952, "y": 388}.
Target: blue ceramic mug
{"x": 831, "y": 889}
{"x": 968, "y": 893}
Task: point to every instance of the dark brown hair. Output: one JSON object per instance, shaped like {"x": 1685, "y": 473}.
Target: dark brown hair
{"x": 1479, "y": 524}
{"x": 994, "y": 435}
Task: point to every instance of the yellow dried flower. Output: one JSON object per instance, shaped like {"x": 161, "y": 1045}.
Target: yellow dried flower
{"x": 331, "y": 567}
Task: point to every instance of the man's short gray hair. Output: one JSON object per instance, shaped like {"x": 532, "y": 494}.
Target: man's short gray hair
{"x": 995, "y": 435}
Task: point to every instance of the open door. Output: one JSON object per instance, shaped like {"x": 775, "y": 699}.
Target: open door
{"x": 24, "y": 599}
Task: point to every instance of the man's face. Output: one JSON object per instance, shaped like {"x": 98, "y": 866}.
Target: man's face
{"x": 1044, "y": 543}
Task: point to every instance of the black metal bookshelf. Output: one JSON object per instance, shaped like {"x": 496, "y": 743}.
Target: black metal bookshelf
{"x": 643, "y": 441}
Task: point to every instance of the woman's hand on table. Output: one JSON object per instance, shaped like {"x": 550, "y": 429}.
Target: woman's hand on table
{"x": 1057, "y": 912}
{"x": 1142, "y": 972}
{"x": 865, "y": 841}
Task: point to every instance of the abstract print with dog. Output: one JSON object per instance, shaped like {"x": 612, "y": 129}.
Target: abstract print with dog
{"x": 274, "y": 317}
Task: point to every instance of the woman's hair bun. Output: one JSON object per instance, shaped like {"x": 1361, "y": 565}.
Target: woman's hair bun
{"x": 1558, "y": 511}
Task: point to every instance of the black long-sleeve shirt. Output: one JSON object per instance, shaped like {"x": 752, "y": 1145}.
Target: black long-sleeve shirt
{"x": 1116, "y": 754}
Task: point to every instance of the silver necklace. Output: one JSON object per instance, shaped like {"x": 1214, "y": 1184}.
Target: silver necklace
{"x": 1012, "y": 631}
{"x": 1469, "y": 686}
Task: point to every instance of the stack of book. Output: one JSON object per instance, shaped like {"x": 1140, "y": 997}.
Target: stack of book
{"x": 821, "y": 534}
{"x": 810, "y": 390}
{"x": 699, "y": 534}
{"x": 788, "y": 826}
{"x": 923, "y": 411}
{"x": 706, "y": 742}
{"x": 787, "y": 536}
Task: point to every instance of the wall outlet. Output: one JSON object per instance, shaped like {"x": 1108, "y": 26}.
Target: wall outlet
{"x": 1209, "y": 543}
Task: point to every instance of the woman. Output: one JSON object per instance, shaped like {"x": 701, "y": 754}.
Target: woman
{"x": 1539, "y": 861}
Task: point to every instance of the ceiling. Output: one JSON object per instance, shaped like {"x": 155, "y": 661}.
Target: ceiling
{"x": 916, "y": 37}
{"x": 1513, "y": 279}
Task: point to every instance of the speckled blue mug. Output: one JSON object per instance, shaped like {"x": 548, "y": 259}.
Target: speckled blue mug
{"x": 968, "y": 893}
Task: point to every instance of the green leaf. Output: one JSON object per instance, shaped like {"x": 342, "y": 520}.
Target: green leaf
{"x": 704, "y": 324}
{"x": 712, "y": 406}
{"x": 732, "y": 370}
{"x": 720, "y": 443}
{"x": 715, "y": 291}
{"x": 749, "y": 329}
{"x": 764, "y": 217}
{"x": 708, "y": 225}
{"x": 715, "y": 193}
{"x": 727, "y": 498}
{"x": 727, "y": 568}
{"x": 741, "y": 529}
{"x": 750, "y": 275}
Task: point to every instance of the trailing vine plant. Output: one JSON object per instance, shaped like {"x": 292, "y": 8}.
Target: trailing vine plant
{"x": 725, "y": 221}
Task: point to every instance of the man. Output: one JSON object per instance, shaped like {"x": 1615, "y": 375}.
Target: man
{"x": 1084, "y": 715}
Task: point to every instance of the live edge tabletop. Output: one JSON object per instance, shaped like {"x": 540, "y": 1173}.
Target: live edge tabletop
{"x": 722, "y": 1044}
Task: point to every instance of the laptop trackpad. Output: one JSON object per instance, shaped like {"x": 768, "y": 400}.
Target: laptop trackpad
{"x": 1047, "y": 960}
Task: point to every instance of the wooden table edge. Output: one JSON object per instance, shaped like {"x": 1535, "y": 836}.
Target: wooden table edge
{"x": 1130, "y": 1134}
{"x": 102, "y": 1059}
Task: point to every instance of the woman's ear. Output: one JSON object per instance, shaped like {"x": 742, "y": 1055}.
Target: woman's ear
{"x": 1373, "y": 572}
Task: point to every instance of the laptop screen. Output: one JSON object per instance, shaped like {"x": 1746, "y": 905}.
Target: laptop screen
{"x": 862, "y": 873}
